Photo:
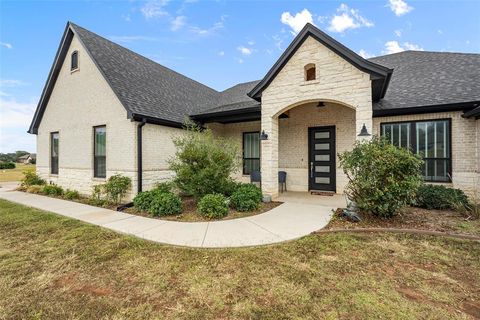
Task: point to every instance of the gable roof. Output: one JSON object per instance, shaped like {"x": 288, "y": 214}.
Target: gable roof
{"x": 380, "y": 75}
{"x": 428, "y": 80}
{"x": 145, "y": 88}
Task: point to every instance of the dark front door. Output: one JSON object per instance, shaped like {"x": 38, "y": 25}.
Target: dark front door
{"x": 321, "y": 154}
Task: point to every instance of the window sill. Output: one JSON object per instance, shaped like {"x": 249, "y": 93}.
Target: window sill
{"x": 99, "y": 179}
{"x": 75, "y": 70}
{"x": 53, "y": 175}
{"x": 306, "y": 83}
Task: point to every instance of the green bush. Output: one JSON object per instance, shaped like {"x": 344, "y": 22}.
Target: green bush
{"x": 440, "y": 197}
{"x": 164, "y": 204}
{"x": 229, "y": 187}
{"x": 247, "y": 197}
{"x": 164, "y": 186}
{"x": 52, "y": 190}
{"x": 143, "y": 200}
{"x": 382, "y": 178}
{"x": 34, "y": 189}
{"x": 116, "y": 188}
{"x": 31, "y": 178}
{"x": 7, "y": 165}
{"x": 213, "y": 206}
{"x": 71, "y": 194}
{"x": 202, "y": 163}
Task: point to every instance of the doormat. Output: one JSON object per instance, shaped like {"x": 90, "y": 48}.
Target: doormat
{"x": 321, "y": 193}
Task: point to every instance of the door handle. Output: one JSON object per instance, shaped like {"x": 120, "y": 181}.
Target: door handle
{"x": 311, "y": 169}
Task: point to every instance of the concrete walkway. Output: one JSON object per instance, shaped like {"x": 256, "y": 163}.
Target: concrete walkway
{"x": 285, "y": 222}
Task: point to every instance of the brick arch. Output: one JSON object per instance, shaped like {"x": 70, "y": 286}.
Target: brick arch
{"x": 303, "y": 102}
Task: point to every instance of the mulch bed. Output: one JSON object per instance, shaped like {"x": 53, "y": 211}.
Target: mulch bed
{"x": 190, "y": 214}
{"x": 412, "y": 218}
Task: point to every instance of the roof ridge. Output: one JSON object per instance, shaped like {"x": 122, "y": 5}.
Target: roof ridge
{"x": 74, "y": 25}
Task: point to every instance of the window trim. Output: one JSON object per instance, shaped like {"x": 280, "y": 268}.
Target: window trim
{"x": 243, "y": 151}
{"x": 71, "y": 61}
{"x": 413, "y": 141}
{"x": 95, "y": 173}
{"x": 308, "y": 67}
{"x": 51, "y": 152}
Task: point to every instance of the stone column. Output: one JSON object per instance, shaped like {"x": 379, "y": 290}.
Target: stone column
{"x": 269, "y": 156}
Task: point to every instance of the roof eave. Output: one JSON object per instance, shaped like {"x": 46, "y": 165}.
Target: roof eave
{"x": 458, "y": 106}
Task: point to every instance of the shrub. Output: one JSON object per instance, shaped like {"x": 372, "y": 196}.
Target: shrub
{"x": 203, "y": 164}
{"x": 213, "y": 206}
{"x": 52, "y": 190}
{"x": 143, "y": 200}
{"x": 31, "y": 178}
{"x": 230, "y": 187}
{"x": 7, "y": 165}
{"x": 164, "y": 186}
{"x": 164, "y": 204}
{"x": 382, "y": 178}
{"x": 34, "y": 189}
{"x": 116, "y": 188}
{"x": 440, "y": 197}
{"x": 71, "y": 194}
{"x": 247, "y": 197}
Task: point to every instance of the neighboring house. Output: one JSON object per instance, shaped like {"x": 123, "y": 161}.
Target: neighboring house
{"x": 107, "y": 110}
{"x": 26, "y": 159}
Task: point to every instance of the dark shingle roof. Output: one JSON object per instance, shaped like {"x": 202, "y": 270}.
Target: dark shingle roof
{"x": 234, "y": 98}
{"x": 143, "y": 86}
{"x": 422, "y": 79}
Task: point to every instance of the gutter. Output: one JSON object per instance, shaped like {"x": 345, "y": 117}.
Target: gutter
{"x": 139, "y": 155}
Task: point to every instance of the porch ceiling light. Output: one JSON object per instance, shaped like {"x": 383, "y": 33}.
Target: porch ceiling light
{"x": 364, "y": 132}
{"x": 263, "y": 135}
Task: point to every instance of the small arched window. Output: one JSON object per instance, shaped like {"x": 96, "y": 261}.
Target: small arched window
{"x": 310, "y": 72}
{"x": 74, "y": 61}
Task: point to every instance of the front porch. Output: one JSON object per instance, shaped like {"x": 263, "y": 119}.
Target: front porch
{"x": 335, "y": 200}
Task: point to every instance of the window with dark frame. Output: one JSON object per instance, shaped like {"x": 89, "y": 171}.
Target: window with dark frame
{"x": 100, "y": 152}
{"x": 251, "y": 152}
{"x": 54, "y": 137}
{"x": 428, "y": 138}
{"x": 74, "y": 62}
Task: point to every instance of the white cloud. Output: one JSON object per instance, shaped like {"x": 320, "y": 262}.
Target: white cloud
{"x": 251, "y": 43}
{"x": 209, "y": 31}
{"x": 394, "y": 47}
{"x": 298, "y": 21}
{"x": 439, "y": 31}
{"x": 244, "y": 50}
{"x": 15, "y": 114}
{"x": 6, "y": 45}
{"x": 239, "y": 60}
{"x": 178, "y": 23}
{"x": 398, "y": 32}
{"x": 221, "y": 53}
{"x": 364, "y": 54}
{"x": 128, "y": 39}
{"x": 278, "y": 41}
{"x": 154, "y": 9}
{"x": 11, "y": 83}
{"x": 347, "y": 18}
{"x": 126, "y": 17}
{"x": 399, "y": 7}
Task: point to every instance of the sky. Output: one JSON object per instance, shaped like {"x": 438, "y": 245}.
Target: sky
{"x": 219, "y": 43}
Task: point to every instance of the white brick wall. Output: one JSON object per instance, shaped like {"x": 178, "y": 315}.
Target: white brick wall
{"x": 465, "y": 144}
{"x": 79, "y": 101}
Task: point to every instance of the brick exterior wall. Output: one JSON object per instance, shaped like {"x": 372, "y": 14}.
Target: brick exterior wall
{"x": 81, "y": 100}
{"x": 465, "y": 146}
{"x": 337, "y": 81}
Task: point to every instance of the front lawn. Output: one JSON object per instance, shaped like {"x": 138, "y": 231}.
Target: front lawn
{"x": 55, "y": 267}
{"x": 17, "y": 173}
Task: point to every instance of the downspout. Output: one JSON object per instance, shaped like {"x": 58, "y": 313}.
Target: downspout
{"x": 139, "y": 155}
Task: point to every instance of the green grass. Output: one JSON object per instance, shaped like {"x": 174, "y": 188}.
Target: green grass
{"x": 55, "y": 267}
{"x": 15, "y": 174}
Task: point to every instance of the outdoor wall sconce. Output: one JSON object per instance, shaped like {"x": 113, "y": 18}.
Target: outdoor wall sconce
{"x": 364, "y": 132}
{"x": 263, "y": 135}
{"x": 320, "y": 104}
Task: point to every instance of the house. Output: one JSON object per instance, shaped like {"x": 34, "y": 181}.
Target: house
{"x": 107, "y": 110}
{"x": 26, "y": 159}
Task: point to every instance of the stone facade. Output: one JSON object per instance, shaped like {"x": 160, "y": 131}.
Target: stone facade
{"x": 337, "y": 81}
{"x": 465, "y": 143}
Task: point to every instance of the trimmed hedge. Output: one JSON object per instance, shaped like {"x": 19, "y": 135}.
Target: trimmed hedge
{"x": 213, "y": 206}
{"x": 165, "y": 204}
{"x": 52, "y": 190}
{"x": 440, "y": 197}
{"x": 247, "y": 197}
